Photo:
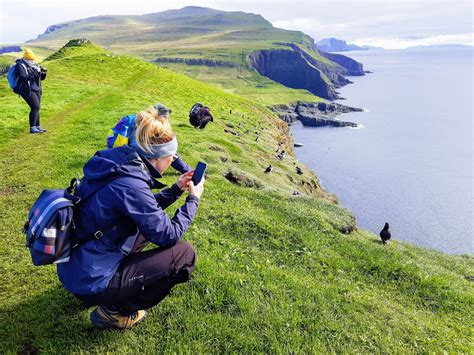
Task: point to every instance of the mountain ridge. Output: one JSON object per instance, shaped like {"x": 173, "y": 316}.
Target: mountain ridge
{"x": 197, "y": 36}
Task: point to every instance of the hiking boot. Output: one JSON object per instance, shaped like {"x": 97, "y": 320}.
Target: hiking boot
{"x": 102, "y": 317}
{"x": 41, "y": 129}
{"x": 35, "y": 129}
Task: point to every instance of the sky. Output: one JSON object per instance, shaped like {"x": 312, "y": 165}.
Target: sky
{"x": 384, "y": 23}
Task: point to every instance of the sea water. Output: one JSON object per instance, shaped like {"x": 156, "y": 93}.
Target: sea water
{"x": 411, "y": 163}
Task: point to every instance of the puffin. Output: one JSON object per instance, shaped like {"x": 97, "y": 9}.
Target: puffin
{"x": 299, "y": 171}
{"x": 385, "y": 234}
{"x": 268, "y": 169}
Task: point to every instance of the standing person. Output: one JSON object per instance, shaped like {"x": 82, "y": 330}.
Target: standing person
{"x": 29, "y": 76}
{"x": 111, "y": 270}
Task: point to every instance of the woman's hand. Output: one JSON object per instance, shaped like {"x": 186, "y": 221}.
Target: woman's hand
{"x": 198, "y": 189}
{"x": 183, "y": 181}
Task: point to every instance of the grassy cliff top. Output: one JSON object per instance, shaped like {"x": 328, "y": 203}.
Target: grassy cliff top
{"x": 274, "y": 272}
{"x": 188, "y": 29}
{"x": 196, "y": 33}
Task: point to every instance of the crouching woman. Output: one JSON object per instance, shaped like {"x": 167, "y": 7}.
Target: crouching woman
{"x": 119, "y": 210}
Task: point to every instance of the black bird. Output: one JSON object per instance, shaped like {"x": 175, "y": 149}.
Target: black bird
{"x": 299, "y": 171}
{"x": 281, "y": 155}
{"x": 268, "y": 169}
{"x": 385, "y": 234}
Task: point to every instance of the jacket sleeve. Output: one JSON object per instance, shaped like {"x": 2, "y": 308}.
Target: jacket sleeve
{"x": 43, "y": 75}
{"x": 180, "y": 165}
{"x": 22, "y": 72}
{"x": 167, "y": 197}
{"x": 153, "y": 223}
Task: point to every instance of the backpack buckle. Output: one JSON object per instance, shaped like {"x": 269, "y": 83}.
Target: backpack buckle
{"x": 98, "y": 234}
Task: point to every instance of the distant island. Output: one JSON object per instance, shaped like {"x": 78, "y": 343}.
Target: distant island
{"x": 332, "y": 44}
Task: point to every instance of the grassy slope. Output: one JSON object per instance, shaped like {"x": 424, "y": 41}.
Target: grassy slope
{"x": 273, "y": 274}
{"x": 243, "y": 82}
{"x": 207, "y": 34}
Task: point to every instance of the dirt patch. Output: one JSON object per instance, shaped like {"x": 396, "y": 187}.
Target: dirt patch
{"x": 242, "y": 179}
{"x": 350, "y": 227}
{"x": 216, "y": 148}
{"x": 7, "y": 191}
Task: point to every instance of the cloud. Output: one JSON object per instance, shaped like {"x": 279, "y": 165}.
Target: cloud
{"x": 386, "y": 20}
{"x": 400, "y": 43}
{"x": 296, "y": 24}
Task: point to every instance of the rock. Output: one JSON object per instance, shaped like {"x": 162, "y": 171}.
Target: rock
{"x": 315, "y": 114}
{"x": 77, "y": 42}
{"x": 353, "y": 67}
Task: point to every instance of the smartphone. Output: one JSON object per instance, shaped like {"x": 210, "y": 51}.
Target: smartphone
{"x": 199, "y": 172}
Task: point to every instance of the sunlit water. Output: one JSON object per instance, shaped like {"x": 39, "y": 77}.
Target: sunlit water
{"x": 411, "y": 162}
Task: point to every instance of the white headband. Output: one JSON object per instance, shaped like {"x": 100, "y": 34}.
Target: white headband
{"x": 160, "y": 150}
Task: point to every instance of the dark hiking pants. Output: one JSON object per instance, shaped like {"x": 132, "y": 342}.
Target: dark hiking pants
{"x": 34, "y": 101}
{"x": 145, "y": 278}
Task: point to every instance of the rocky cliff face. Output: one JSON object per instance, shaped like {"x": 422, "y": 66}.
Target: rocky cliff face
{"x": 291, "y": 69}
{"x": 315, "y": 114}
{"x": 335, "y": 72}
{"x": 53, "y": 28}
{"x": 353, "y": 67}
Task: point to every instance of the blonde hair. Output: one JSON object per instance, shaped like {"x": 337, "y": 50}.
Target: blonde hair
{"x": 152, "y": 128}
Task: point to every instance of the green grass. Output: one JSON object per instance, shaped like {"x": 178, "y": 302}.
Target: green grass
{"x": 274, "y": 273}
{"x": 243, "y": 82}
{"x": 206, "y": 34}
{"x": 6, "y": 61}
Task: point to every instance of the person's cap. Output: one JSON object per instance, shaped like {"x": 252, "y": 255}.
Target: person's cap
{"x": 162, "y": 109}
{"x": 28, "y": 54}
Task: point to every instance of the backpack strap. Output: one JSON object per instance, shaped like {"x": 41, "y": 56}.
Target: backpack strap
{"x": 74, "y": 185}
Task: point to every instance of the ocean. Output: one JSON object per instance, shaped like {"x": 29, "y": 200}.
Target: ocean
{"x": 411, "y": 163}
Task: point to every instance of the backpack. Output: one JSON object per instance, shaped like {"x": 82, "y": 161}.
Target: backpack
{"x": 50, "y": 225}
{"x": 122, "y": 132}
{"x": 200, "y": 116}
{"x": 13, "y": 78}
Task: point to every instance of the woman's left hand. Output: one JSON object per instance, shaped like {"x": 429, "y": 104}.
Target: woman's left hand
{"x": 183, "y": 181}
